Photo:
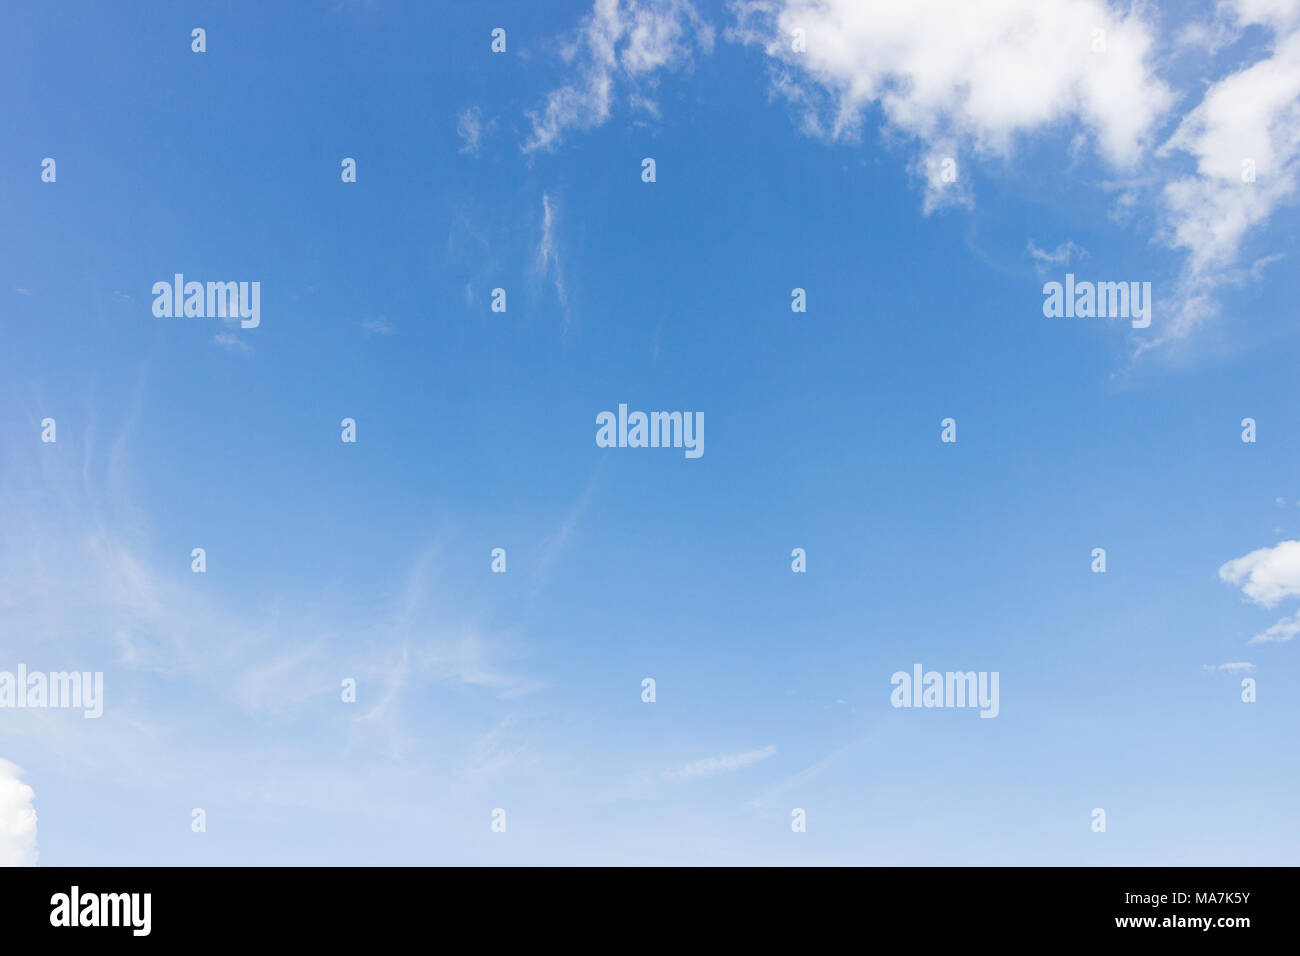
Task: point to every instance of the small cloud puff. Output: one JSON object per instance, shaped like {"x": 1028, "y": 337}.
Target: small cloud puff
{"x": 17, "y": 818}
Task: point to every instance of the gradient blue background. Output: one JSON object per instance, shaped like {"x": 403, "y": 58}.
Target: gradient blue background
{"x": 476, "y": 430}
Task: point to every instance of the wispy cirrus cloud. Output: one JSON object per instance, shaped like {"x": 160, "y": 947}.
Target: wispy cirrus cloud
{"x": 1281, "y": 632}
{"x": 1065, "y": 254}
{"x": 795, "y": 783}
{"x": 727, "y": 763}
{"x": 470, "y": 128}
{"x": 84, "y": 569}
{"x": 1242, "y": 667}
{"x": 232, "y": 343}
{"x": 499, "y": 750}
{"x": 620, "y": 43}
{"x": 548, "y": 257}
{"x": 555, "y": 545}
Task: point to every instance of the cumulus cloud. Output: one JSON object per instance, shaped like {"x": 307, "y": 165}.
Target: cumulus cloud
{"x": 973, "y": 77}
{"x": 17, "y": 818}
{"x": 963, "y": 74}
{"x": 619, "y": 43}
{"x": 724, "y": 764}
{"x": 1266, "y": 575}
{"x": 1244, "y": 139}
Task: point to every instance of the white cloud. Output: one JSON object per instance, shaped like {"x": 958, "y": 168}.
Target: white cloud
{"x": 618, "y": 43}
{"x": 497, "y": 751}
{"x": 964, "y": 74}
{"x": 1233, "y": 667}
{"x": 778, "y": 794}
{"x": 89, "y": 587}
{"x": 1278, "y": 13}
{"x": 17, "y": 818}
{"x": 1251, "y": 116}
{"x": 1205, "y": 37}
{"x": 1284, "y": 630}
{"x": 469, "y": 127}
{"x": 231, "y": 342}
{"x": 969, "y": 77}
{"x": 1064, "y": 254}
{"x": 724, "y": 764}
{"x": 1266, "y": 575}
{"x": 1263, "y": 262}
{"x": 555, "y": 545}
{"x": 548, "y": 258}
{"x": 468, "y": 660}
{"x": 379, "y": 326}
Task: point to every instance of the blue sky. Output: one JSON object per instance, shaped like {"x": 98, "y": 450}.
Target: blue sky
{"x": 775, "y": 170}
